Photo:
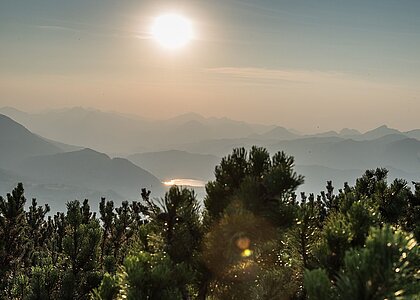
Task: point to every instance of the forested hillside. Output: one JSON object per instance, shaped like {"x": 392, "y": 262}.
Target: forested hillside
{"x": 253, "y": 239}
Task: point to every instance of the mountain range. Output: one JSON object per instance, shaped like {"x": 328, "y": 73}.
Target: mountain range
{"x": 116, "y": 133}
{"x": 87, "y": 144}
{"x": 52, "y": 174}
{"x": 122, "y": 134}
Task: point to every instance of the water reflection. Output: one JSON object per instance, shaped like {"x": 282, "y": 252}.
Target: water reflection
{"x": 185, "y": 182}
{"x": 197, "y": 185}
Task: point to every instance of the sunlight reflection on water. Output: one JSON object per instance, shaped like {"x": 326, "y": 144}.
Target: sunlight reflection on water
{"x": 185, "y": 182}
{"x": 197, "y": 185}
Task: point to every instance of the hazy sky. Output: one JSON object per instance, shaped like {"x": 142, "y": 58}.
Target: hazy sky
{"x": 312, "y": 65}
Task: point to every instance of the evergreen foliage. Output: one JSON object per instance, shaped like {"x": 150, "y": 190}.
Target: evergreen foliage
{"x": 253, "y": 238}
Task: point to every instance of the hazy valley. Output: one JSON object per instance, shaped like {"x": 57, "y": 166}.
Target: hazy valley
{"x": 84, "y": 153}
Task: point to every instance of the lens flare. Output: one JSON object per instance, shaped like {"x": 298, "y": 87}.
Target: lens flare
{"x": 246, "y": 253}
{"x": 243, "y": 243}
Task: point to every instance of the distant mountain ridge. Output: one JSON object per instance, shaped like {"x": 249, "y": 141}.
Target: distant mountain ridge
{"x": 279, "y": 133}
{"x": 337, "y": 158}
{"x": 415, "y": 134}
{"x": 91, "y": 169}
{"x": 47, "y": 170}
{"x": 190, "y": 146}
{"x": 117, "y": 133}
{"x": 17, "y": 142}
{"x": 349, "y": 132}
{"x": 177, "y": 164}
{"x": 379, "y": 132}
{"x": 122, "y": 134}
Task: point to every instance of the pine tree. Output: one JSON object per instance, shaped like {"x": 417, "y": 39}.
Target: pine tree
{"x": 176, "y": 217}
{"x": 107, "y": 215}
{"x": 386, "y": 268}
{"x": 81, "y": 250}
{"x": 15, "y": 247}
{"x": 265, "y": 186}
{"x": 37, "y": 231}
{"x": 251, "y": 194}
{"x": 145, "y": 276}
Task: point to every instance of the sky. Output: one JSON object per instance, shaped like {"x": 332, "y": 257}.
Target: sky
{"x": 312, "y": 65}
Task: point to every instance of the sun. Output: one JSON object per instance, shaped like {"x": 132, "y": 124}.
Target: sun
{"x": 172, "y": 30}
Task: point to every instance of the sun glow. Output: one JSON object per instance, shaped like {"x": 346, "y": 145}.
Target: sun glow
{"x": 172, "y": 31}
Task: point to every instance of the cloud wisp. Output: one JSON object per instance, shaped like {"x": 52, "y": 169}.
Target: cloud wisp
{"x": 287, "y": 75}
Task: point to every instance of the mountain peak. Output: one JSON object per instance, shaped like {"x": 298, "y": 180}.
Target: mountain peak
{"x": 279, "y": 132}
{"x": 349, "y": 131}
{"x": 10, "y": 126}
{"x": 380, "y": 132}
{"x": 190, "y": 116}
{"x": 383, "y": 128}
{"x": 18, "y": 143}
{"x": 88, "y": 152}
